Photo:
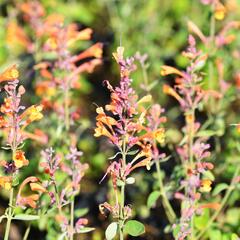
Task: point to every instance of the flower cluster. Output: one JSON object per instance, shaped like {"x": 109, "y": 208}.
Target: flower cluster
{"x": 189, "y": 93}
{"x": 14, "y": 119}
{"x": 125, "y": 125}
{"x": 61, "y": 73}
{"x": 61, "y": 193}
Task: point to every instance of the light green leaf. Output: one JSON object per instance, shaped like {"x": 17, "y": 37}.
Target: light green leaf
{"x": 134, "y": 228}
{"x": 206, "y": 133}
{"x": 130, "y": 180}
{"x": 234, "y": 236}
{"x": 176, "y": 230}
{"x": 26, "y": 217}
{"x": 201, "y": 221}
{"x": 152, "y": 198}
{"x": 209, "y": 175}
{"x": 80, "y": 212}
{"x": 85, "y": 230}
{"x": 215, "y": 235}
{"x": 111, "y": 231}
{"x": 219, "y": 188}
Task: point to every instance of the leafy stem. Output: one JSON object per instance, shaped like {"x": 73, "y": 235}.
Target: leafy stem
{"x": 222, "y": 205}
{"x": 166, "y": 204}
{"x": 9, "y": 215}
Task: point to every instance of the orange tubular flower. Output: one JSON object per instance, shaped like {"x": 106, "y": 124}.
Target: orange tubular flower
{"x": 94, "y": 51}
{"x": 100, "y": 130}
{"x": 6, "y": 182}
{"x": 20, "y": 159}
{"x": 145, "y": 152}
{"x": 167, "y": 70}
{"x": 220, "y": 11}
{"x": 32, "y": 199}
{"x": 74, "y": 35}
{"x": 159, "y": 135}
{"x": 102, "y": 117}
{"x": 32, "y": 113}
{"x": 16, "y": 36}
{"x": 214, "y": 206}
{"x": 170, "y": 91}
{"x": 9, "y": 74}
{"x": 206, "y": 185}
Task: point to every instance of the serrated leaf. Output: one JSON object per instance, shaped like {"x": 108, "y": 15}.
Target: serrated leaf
{"x": 152, "y": 198}
{"x": 134, "y": 228}
{"x": 219, "y": 188}
{"x": 26, "y": 217}
{"x": 111, "y": 231}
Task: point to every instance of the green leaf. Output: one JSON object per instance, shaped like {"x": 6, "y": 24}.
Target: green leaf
{"x": 206, "y": 133}
{"x": 209, "y": 175}
{"x": 85, "y": 230}
{"x": 130, "y": 180}
{"x": 26, "y": 217}
{"x": 80, "y": 212}
{"x": 201, "y": 221}
{"x": 234, "y": 236}
{"x": 215, "y": 235}
{"x": 219, "y": 188}
{"x": 152, "y": 198}
{"x": 176, "y": 230}
{"x": 134, "y": 228}
{"x": 111, "y": 231}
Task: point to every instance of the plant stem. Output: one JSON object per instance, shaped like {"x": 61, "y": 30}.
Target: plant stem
{"x": 223, "y": 203}
{"x": 27, "y": 232}
{"x": 9, "y": 216}
{"x": 190, "y": 154}
{"x": 122, "y": 200}
{"x": 72, "y": 218}
{"x": 166, "y": 204}
{"x": 66, "y": 108}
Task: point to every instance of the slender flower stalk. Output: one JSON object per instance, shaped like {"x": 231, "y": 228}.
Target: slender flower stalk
{"x": 125, "y": 126}
{"x": 189, "y": 94}
{"x": 155, "y": 120}
{"x": 14, "y": 119}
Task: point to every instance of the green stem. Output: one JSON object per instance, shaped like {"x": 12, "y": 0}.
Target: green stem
{"x": 72, "y": 218}
{"x": 122, "y": 196}
{"x": 223, "y": 203}
{"x": 190, "y": 154}
{"x": 9, "y": 216}
{"x": 66, "y": 108}
{"x": 166, "y": 204}
{"x": 27, "y": 232}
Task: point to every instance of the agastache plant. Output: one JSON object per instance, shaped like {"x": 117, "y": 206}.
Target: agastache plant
{"x": 194, "y": 149}
{"x": 14, "y": 120}
{"x": 60, "y": 74}
{"x": 62, "y": 193}
{"x": 155, "y": 121}
{"x": 124, "y": 124}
